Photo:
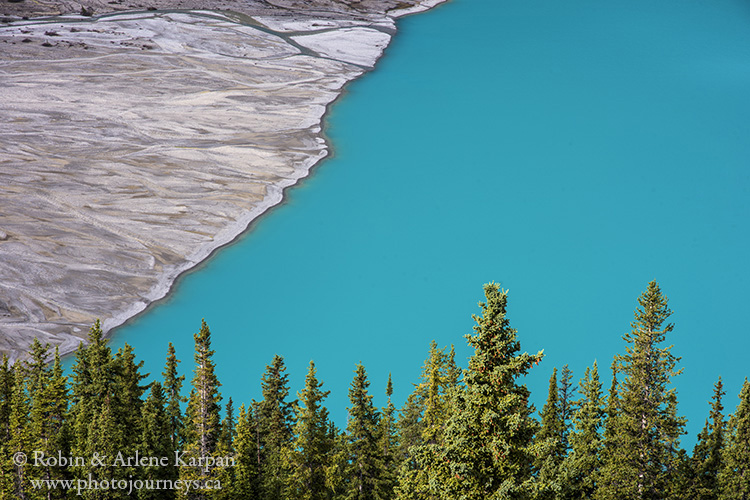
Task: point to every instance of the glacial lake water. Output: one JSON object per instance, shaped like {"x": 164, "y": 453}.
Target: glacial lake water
{"x": 572, "y": 151}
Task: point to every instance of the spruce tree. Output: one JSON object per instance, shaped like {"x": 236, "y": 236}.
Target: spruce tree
{"x": 244, "y": 482}
{"x": 309, "y": 454}
{"x": 21, "y": 436}
{"x": 105, "y": 410}
{"x": 6, "y": 395}
{"x": 550, "y": 443}
{"x": 275, "y": 416}
{"x": 388, "y": 443}
{"x": 49, "y": 408}
{"x": 7, "y": 468}
{"x": 734, "y": 479}
{"x": 156, "y": 441}
{"x": 202, "y": 417}
{"x": 365, "y": 470}
{"x": 644, "y": 431}
{"x": 706, "y": 462}
{"x": 565, "y": 397}
{"x": 488, "y": 451}
{"x": 422, "y": 422}
{"x": 581, "y": 466}
{"x": 173, "y": 393}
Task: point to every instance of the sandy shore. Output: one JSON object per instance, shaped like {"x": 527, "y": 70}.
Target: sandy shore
{"x": 135, "y": 143}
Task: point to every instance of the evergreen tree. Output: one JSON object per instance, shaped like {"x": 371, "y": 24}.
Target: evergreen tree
{"x": 337, "y": 471}
{"x": 422, "y": 422}
{"x": 6, "y": 395}
{"x": 565, "y": 397}
{"x": 49, "y": 407}
{"x": 275, "y": 416}
{"x": 388, "y": 443}
{"x": 156, "y": 441}
{"x": 173, "y": 392}
{"x": 582, "y": 464}
{"x": 225, "y": 448}
{"x": 244, "y": 483}
{"x": 644, "y": 439}
{"x": 310, "y": 451}
{"x": 365, "y": 471}
{"x": 706, "y": 462}
{"x": 550, "y": 443}
{"x": 21, "y": 437}
{"x": 7, "y": 468}
{"x": 105, "y": 410}
{"x": 202, "y": 417}
{"x": 488, "y": 451}
{"x": 734, "y": 479}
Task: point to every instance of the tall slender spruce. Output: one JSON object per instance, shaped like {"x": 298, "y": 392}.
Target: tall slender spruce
{"x": 309, "y": 454}
{"x": 202, "y": 419}
{"x": 645, "y": 429}
{"x": 365, "y": 471}
{"x": 275, "y": 417}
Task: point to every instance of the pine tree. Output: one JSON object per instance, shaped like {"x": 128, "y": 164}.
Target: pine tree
{"x": 734, "y": 479}
{"x": 202, "y": 417}
{"x": 706, "y": 462}
{"x": 275, "y": 415}
{"x": 581, "y": 466}
{"x": 488, "y": 451}
{"x": 172, "y": 388}
{"x": 309, "y": 454}
{"x": 550, "y": 443}
{"x": 644, "y": 436}
{"x": 156, "y": 441}
{"x": 365, "y": 471}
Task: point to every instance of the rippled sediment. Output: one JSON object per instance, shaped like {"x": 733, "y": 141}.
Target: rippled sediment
{"x": 133, "y": 145}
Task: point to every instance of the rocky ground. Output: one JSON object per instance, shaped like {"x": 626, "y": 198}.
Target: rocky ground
{"x": 137, "y": 136}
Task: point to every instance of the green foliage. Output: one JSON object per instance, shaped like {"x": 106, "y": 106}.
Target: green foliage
{"x": 156, "y": 441}
{"x": 202, "y": 422}
{"x": 244, "y": 482}
{"x": 365, "y": 469}
{"x": 488, "y": 452}
{"x": 468, "y": 440}
{"x": 173, "y": 392}
{"x": 550, "y": 443}
{"x": 707, "y": 462}
{"x": 734, "y": 479}
{"x": 643, "y": 430}
{"x": 423, "y": 421}
{"x": 275, "y": 415}
{"x": 581, "y": 467}
{"x": 309, "y": 454}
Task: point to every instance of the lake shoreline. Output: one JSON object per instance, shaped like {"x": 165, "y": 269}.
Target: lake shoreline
{"x": 63, "y": 322}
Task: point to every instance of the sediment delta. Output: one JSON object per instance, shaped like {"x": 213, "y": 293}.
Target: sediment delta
{"x": 135, "y": 143}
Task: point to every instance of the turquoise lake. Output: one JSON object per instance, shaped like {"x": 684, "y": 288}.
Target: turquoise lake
{"x": 572, "y": 151}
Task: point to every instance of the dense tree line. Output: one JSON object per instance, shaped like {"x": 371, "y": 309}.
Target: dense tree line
{"x": 462, "y": 434}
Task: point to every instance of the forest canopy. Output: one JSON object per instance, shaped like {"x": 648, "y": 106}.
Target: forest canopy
{"x": 463, "y": 433}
